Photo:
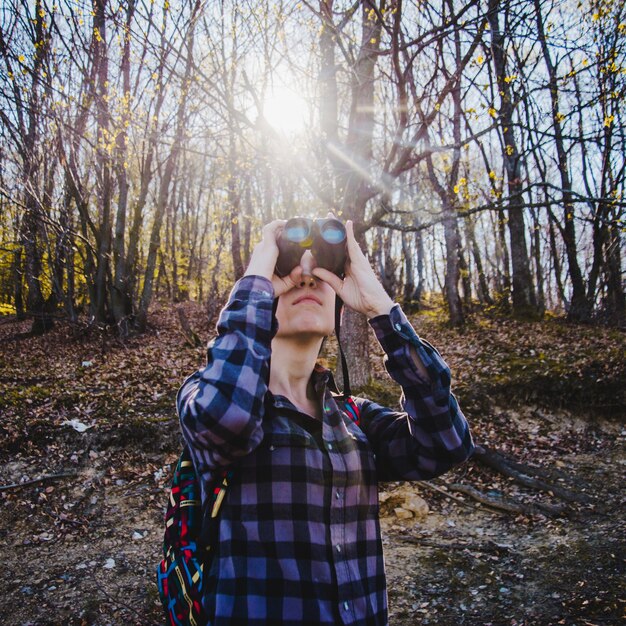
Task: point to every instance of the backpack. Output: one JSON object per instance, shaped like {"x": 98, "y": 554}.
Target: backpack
{"x": 190, "y": 532}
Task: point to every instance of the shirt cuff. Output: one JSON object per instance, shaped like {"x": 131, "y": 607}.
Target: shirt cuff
{"x": 255, "y": 286}
{"x": 396, "y": 334}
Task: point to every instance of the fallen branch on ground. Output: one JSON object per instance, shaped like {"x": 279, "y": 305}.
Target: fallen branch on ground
{"x": 508, "y": 505}
{"x": 34, "y": 481}
{"x": 444, "y": 491}
{"x": 501, "y": 464}
{"x": 489, "y": 547}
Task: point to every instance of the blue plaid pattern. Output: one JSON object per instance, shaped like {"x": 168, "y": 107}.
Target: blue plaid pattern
{"x": 299, "y": 536}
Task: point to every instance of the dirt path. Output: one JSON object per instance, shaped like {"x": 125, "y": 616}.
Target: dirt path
{"x": 82, "y": 550}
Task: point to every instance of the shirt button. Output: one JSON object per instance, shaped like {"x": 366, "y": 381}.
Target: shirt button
{"x": 398, "y": 327}
{"x": 346, "y": 606}
{"x": 338, "y": 495}
{"x": 338, "y": 547}
{"x": 330, "y": 446}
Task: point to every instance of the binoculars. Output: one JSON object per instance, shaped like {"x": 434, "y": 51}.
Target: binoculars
{"x": 325, "y": 237}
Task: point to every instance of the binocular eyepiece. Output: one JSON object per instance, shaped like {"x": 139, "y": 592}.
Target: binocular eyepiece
{"x": 325, "y": 237}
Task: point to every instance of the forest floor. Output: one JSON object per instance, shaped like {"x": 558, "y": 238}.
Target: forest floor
{"x": 82, "y": 548}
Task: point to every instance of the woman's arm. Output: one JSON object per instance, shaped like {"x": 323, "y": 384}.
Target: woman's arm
{"x": 221, "y": 406}
{"x": 432, "y": 435}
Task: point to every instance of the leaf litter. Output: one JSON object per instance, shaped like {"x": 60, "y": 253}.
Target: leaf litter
{"x": 99, "y": 414}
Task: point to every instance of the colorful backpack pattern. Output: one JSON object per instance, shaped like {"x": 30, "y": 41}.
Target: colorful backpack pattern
{"x": 189, "y": 535}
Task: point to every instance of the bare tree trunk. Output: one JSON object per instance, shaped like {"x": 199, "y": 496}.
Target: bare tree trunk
{"x": 28, "y": 132}
{"x": 353, "y": 187}
{"x": 524, "y": 301}
{"x": 168, "y": 173}
{"x": 328, "y": 94}
{"x": 234, "y": 209}
{"x": 18, "y": 292}
{"x": 557, "y": 263}
{"x": 580, "y": 308}
{"x": 409, "y": 272}
{"x": 103, "y": 170}
{"x": 451, "y": 284}
{"x": 384, "y": 261}
{"x": 121, "y": 299}
{"x": 483, "y": 287}
{"x": 616, "y": 301}
{"x": 536, "y": 254}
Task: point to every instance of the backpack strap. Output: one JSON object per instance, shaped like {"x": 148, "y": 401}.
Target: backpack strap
{"x": 219, "y": 491}
{"x": 350, "y": 407}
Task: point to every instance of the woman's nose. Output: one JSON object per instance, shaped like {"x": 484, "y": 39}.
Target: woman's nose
{"x": 307, "y": 263}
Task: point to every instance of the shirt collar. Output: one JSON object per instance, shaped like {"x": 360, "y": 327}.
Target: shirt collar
{"x": 322, "y": 376}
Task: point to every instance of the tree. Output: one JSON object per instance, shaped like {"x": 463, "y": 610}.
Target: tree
{"x": 524, "y": 300}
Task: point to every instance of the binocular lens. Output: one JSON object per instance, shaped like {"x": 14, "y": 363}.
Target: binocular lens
{"x": 333, "y": 232}
{"x": 297, "y": 230}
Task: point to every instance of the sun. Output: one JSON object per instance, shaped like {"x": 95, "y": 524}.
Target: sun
{"x": 285, "y": 110}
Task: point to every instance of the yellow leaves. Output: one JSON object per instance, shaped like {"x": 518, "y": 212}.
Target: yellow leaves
{"x": 510, "y": 79}
{"x": 608, "y": 120}
{"x": 509, "y": 149}
{"x": 622, "y": 27}
{"x": 585, "y": 62}
{"x": 480, "y": 59}
{"x": 21, "y": 58}
{"x": 595, "y": 17}
{"x": 437, "y": 106}
{"x": 492, "y": 175}
{"x": 559, "y": 117}
{"x": 96, "y": 34}
{"x": 493, "y": 112}
{"x": 373, "y": 40}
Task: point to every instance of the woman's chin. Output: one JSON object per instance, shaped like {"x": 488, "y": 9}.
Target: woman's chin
{"x": 304, "y": 332}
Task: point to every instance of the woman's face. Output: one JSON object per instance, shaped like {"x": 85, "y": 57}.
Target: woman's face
{"x": 308, "y": 309}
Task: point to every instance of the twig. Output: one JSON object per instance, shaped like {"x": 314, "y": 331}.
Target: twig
{"x": 37, "y": 480}
{"x": 507, "y": 505}
{"x": 119, "y": 603}
{"x": 446, "y": 493}
{"x": 488, "y": 547}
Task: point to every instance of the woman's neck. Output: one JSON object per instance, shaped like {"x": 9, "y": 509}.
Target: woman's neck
{"x": 291, "y": 368}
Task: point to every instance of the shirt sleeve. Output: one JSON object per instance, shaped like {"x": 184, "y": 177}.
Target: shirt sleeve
{"x": 221, "y": 405}
{"x": 431, "y": 435}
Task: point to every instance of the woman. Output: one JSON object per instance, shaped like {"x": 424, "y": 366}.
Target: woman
{"x": 299, "y": 537}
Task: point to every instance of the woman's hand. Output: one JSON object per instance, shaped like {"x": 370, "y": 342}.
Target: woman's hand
{"x": 360, "y": 289}
{"x": 264, "y": 257}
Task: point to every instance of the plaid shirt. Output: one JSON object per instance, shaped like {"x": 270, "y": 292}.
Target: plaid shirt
{"x": 299, "y": 536}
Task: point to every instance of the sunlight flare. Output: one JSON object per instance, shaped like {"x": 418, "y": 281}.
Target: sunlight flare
{"x": 285, "y": 110}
